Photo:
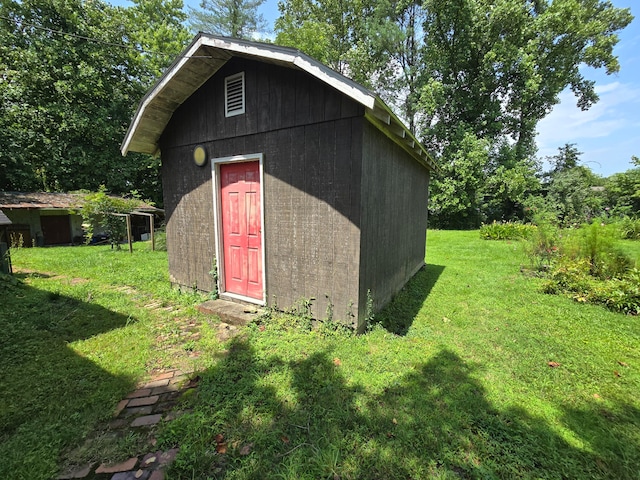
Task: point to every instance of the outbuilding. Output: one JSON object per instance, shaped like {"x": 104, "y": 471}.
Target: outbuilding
{"x": 284, "y": 181}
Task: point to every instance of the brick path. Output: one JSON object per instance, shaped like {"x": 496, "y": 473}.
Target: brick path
{"x": 152, "y": 403}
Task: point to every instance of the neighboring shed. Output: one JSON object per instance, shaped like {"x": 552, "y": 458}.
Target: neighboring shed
{"x": 47, "y": 218}
{"x": 42, "y": 218}
{"x": 5, "y": 259}
{"x": 300, "y": 182}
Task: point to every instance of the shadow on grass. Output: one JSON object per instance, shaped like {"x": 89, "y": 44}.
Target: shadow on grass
{"x": 50, "y": 396}
{"x": 397, "y": 317}
{"x": 307, "y": 422}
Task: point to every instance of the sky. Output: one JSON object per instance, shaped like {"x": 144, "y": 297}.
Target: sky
{"x": 607, "y": 134}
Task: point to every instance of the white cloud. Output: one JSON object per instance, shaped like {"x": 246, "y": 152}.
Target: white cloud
{"x": 617, "y": 110}
{"x": 607, "y": 133}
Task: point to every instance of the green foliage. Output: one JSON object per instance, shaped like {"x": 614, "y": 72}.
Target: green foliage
{"x": 214, "y": 277}
{"x": 620, "y": 294}
{"x": 623, "y": 193}
{"x": 571, "y": 196}
{"x": 506, "y": 231}
{"x": 464, "y": 73}
{"x": 587, "y": 265}
{"x": 67, "y": 101}
{"x": 230, "y": 18}
{"x": 543, "y": 245}
{"x": 629, "y": 228}
{"x": 455, "y": 196}
{"x": 100, "y": 209}
{"x": 463, "y": 390}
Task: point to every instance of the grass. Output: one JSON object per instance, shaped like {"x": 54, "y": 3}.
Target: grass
{"x": 453, "y": 382}
{"x": 80, "y": 327}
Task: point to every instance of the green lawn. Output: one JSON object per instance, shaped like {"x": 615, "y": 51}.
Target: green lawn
{"x": 454, "y": 382}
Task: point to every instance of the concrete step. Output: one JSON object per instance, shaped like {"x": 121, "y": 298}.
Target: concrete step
{"x": 230, "y": 312}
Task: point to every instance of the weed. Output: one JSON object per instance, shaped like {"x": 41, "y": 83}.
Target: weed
{"x": 629, "y": 228}
{"x": 369, "y": 313}
{"x": 506, "y": 231}
{"x": 329, "y": 310}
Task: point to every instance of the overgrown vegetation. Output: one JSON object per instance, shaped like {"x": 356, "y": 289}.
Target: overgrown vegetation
{"x": 472, "y": 371}
{"x": 587, "y": 264}
{"x": 506, "y": 230}
{"x": 100, "y": 210}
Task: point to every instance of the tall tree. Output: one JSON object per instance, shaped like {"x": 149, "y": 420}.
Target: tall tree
{"x": 487, "y": 70}
{"x": 74, "y": 71}
{"x": 231, "y": 18}
{"x": 496, "y": 68}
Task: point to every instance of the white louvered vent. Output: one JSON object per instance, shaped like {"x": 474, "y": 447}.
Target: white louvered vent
{"x": 234, "y": 95}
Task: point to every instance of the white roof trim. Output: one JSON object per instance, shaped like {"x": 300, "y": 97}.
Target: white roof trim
{"x": 164, "y": 80}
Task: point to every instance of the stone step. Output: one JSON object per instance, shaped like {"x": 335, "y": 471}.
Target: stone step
{"x": 230, "y": 312}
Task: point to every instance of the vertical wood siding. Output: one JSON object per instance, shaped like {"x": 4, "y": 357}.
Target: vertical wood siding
{"x": 394, "y": 218}
{"x": 311, "y": 138}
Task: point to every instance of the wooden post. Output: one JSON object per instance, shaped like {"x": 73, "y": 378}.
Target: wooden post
{"x": 153, "y": 236}
{"x": 129, "y": 239}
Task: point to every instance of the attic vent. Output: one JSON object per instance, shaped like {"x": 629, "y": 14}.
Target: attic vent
{"x": 234, "y": 95}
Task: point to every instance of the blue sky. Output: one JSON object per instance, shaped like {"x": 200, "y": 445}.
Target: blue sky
{"x": 607, "y": 134}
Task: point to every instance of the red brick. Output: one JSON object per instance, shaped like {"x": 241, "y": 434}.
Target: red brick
{"x": 157, "y": 475}
{"x": 147, "y": 420}
{"x": 141, "y": 392}
{"x": 165, "y": 389}
{"x": 137, "y": 411}
{"x": 157, "y": 383}
{"x": 143, "y": 401}
{"x": 178, "y": 379}
{"x": 121, "y": 405}
{"x": 120, "y": 467}
{"x": 168, "y": 457}
{"x": 162, "y": 376}
{"x": 137, "y": 475}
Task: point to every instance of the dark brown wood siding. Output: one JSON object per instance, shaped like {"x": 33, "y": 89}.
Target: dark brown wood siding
{"x": 311, "y": 139}
{"x": 394, "y": 218}
{"x": 188, "y": 202}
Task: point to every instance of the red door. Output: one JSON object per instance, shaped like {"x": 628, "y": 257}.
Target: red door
{"x": 241, "y": 228}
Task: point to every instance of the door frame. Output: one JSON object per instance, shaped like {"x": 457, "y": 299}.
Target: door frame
{"x": 217, "y": 215}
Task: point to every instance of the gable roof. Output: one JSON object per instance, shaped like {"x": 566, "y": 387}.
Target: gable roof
{"x": 208, "y": 53}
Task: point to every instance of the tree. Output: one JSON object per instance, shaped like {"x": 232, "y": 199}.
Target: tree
{"x": 623, "y": 191}
{"x": 455, "y": 200}
{"x": 73, "y": 73}
{"x": 567, "y": 158}
{"x": 102, "y": 210}
{"x": 491, "y": 69}
{"x": 231, "y": 18}
{"x": 502, "y": 65}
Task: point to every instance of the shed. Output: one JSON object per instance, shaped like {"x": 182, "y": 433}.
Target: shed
{"x": 283, "y": 180}
{"x": 52, "y": 218}
{"x": 5, "y": 259}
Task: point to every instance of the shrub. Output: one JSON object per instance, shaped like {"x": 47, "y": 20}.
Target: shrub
{"x": 596, "y": 243}
{"x": 161, "y": 240}
{"x": 617, "y": 294}
{"x": 506, "y": 230}
{"x": 589, "y": 268}
{"x": 629, "y": 228}
{"x": 542, "y": 246}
